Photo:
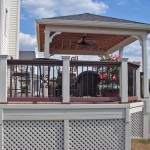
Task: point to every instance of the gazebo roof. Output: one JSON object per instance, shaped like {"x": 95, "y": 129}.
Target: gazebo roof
{"x": 108, "y": 34}
{"x": 92, "y": 17}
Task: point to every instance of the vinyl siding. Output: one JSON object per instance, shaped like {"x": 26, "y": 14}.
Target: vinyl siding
{"x": 14, "y": 28}
{"x": 4, "y": 26}
{"x": 0, "y": 25}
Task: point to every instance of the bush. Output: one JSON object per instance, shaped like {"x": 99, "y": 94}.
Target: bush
{"x": 23, "y": 86}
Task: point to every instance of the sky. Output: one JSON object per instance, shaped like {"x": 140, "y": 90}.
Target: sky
{"x": 135, "y": 10}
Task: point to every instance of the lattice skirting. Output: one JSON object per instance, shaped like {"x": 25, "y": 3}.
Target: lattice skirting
{"x": 97, "y": 135}
{"x": 49, "y": 135}
{"x": 137, "y": 125}
{"x": 33, "y": 135}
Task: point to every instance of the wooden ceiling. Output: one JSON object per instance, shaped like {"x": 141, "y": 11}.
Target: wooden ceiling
{"x": 68, "y": 41}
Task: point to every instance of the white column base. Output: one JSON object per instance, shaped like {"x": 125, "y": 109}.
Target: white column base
{"x": 146, "y": 119}
{"x": 66, "y": 79}
{"x": 3, "y": 78}
{"x": 124, "y": 80}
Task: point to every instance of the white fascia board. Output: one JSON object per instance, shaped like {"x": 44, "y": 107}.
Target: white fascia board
{"x": 64, "y": 106}
{"x": 138, "y": 104}
{"x": 94, "y": 24}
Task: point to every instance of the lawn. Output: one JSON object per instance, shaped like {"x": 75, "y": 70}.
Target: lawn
{"x": 140, "y": 144}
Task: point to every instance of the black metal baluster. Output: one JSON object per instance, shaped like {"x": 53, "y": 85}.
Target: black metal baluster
{"x": 32, "y": 79}
{"x": 11, "y": 70}
{"x": 48, "y": 86}
{"x": 26, "y": 81}
{"x": 92, "y": 83}
{"x": 38, "y": 68}
{"x": 21, "y": 82}
{"x": 53, "y": 83}
{"x": 87, "y": 83}
{"x": 15, "y": 93}
{"x": 82, "y": 82}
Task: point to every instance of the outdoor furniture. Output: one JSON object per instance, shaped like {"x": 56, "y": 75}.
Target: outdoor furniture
{"x": 87, "y": 82}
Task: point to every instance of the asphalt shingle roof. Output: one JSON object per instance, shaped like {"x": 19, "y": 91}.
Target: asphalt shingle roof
{"x": 93, "y": 17}
{"x": 26, "y": 55}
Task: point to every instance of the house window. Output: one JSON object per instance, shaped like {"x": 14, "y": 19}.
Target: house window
{"x": 6, "y": 17}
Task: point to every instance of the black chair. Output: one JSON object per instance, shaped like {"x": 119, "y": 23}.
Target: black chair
{"x": 87, "y": 82}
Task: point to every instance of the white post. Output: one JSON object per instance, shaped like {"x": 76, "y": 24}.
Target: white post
{"x": 146, "y": 123}
{"x": 128, "y": 130}
{"x": 3, "y": 78}
{"x": 138, "y": 85}
{"x": 46, "y": 55}
{"x": 121, "y": 55}
{"x": 1, "y": 129}
{"x": 46, "y": 46}
{"x": 145, "y": 66}
{"x": 66, "y": 134}
{"x": 124, "y": 80}
{"x": 66, "y": 79}
{"x": 121, "y": 52}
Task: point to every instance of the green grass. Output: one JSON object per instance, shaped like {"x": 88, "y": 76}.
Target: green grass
{"x": 140, "y": 144}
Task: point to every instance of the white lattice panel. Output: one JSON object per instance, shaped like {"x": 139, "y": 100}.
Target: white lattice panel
{"x": 137, "y": 124}
{"x": 33, "y": 135}
{"x": 97, "y": 134}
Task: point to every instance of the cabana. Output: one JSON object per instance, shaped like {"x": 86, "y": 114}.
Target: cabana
{"x": 63, "y": 115}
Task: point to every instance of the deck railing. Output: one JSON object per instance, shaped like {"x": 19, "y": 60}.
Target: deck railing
{"x": 35, "y": 79}
{"x": 39, "y": 80}
{"x": 94, "y": 79}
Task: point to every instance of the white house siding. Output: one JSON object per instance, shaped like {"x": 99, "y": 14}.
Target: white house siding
{"x": 0, "y": 24}
{"x": 9, "y": 29}
{"x": 14, "y": 28}
{"x": 4, "y": 26}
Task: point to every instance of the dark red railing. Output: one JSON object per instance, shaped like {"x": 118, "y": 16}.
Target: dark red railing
{"x": 94, "y": 79}
{"x": 34, "y": 78}
{"x": 41, "y": 79}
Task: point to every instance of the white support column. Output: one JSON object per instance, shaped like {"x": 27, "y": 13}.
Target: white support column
{"x": 124, "y": 80}
{"x": 48, "y": 40}
{"x": 46, "y": 45}
{"x": 66, "y": 79}
{"x": 1, "y": 129}
{"x": 145, "y": 66}
{"x": 146, "y": 114}
{"x": 138, "y": 84}
{"x": 3, "y": 78}
{"x": 128, "y": 130}
{"x": 121, "y": 56}
{"x": 121, "y": 52}
{"x": 46, "y": 55}
{"x": 66, "y": 134}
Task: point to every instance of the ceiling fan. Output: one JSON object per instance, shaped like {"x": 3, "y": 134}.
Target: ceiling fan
{"x": 83, "y": 42}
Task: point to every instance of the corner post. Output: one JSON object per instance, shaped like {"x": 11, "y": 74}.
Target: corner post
{"x": 124, "y": 80}
{"x": 146, "y": 113}
{"x": 145, "y": 65}
{"x": 66, "y": 79}
{"x": 1, "y": 129}
{"x": 3, "y": 78}
{"x": 127, "y": 129}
